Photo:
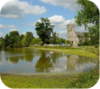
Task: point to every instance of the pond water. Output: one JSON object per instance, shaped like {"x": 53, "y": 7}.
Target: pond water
{"x": 23, "y": 60}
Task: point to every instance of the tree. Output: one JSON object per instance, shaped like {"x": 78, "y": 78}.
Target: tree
{"x": 36, "y": 41}
{"x": 94, "y": 34}
{"x": 6, "y": 40}
{"x": 14, "y": 33}
{"x": 68, "y": 42}
{"x": 30, "y": 37}
{"x": 13, "y": 38}
{"x": 86, "y": 36}
{"x": 44, "y": 29}
{"x": 1, "y": 43}
{"x": 19, "y": 42}
{"x": 21, "y": 36}
{"x": 87, "y": 15}
{"x": 60, "y": 40}
{"x": 54, "y": 37}
{"x": 24, "y": 41}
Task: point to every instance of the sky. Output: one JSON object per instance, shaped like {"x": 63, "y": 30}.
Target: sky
{"x": 21, "y": 15}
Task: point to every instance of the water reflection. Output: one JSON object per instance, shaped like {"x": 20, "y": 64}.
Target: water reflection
{"x": 80, "y": 63}
{"x": 71, "y": 62}
{"x": 32, "y": 61}
{"x": 0, "y": 56}
{"x": 44, "y": 63}
{"x": 14, "y": 55}
{"x": 0, "y": 59}
{"x": 47, "y": 60}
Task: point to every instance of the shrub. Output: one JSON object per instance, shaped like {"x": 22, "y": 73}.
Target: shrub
{"x": 41, "y": 43}
{"x": 96, "y": 45}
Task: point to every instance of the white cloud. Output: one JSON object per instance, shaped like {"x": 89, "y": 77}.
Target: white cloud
{"x": 7, "y": 26}
{"x": 71, "y": 4}
{"x": 23, "y": 33}
{"x": 31, "y": 24}
{"x": 13, "y": 30}
{"x": 57, "y": 20}
{"x": 63, "y": 34}
{"x": 60, "y": 22}
{"x": 2, "y": 26}
{"x": 11, "y": 26}
{"x": 17, "y": 9}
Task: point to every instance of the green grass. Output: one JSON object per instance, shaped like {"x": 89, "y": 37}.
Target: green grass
{"x": 78, "y": 51}
{"x": 91, "y": 49}
{"x": 83, "y": 80}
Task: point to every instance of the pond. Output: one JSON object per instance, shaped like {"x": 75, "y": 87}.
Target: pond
{"x": 27, "y": 61}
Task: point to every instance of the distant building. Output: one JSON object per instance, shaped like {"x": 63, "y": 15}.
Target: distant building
{"x": 73, "y": 36}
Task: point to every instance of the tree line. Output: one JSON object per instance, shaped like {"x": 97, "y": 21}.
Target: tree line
{"x": 44, "y": 30}
{"x": 15, "y": 40}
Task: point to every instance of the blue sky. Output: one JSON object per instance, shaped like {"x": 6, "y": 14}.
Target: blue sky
{"x": 22, "y": 15}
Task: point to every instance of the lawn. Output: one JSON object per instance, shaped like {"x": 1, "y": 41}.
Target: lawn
{"x": 82, "y": 80}
{"x": 69, "y": 50}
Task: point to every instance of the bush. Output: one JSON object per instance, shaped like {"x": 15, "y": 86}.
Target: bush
{"x": 36, "y": 41}
{"x": 68, "y": 42}
{"x": 41, "y": 43}
{"x": 96, "y": 45}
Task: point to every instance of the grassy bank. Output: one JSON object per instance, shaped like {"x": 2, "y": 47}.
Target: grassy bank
{"x": 83, "y": 80}
{"x": 78, "y": 51}
{"x": 92, "y": 49}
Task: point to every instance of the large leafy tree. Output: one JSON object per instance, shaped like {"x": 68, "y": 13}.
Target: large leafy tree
{"x": 94, "y": 35}
{"x": 6, "y": 40}
{"x": 13, "y": 38}
{"x": 44, "y": 29}
{"x": 89, "y": 14}
{"x": 30, "y": 37}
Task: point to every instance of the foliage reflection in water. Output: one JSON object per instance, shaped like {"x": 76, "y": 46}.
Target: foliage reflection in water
{"x": 39, "y": 61}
